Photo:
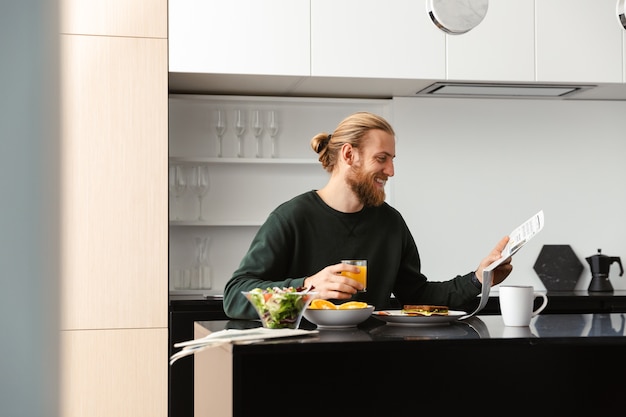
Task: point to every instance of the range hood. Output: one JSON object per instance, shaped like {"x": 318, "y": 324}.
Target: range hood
{"x": 502, "y": 90}
{"x": 382, "y": 88}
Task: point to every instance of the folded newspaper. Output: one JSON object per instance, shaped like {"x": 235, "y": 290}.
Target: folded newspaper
{"x": 226, "y": 336}
{"x": 517, "y": 239}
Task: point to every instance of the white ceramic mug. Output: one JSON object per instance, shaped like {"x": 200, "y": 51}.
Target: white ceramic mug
{"x": 511, "y": 332}
{"x": 516, "y": 304}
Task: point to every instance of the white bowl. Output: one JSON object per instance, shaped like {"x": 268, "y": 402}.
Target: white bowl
{"x": 336, "y": 319}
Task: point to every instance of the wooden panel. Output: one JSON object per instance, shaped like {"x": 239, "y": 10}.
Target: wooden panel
{"x": 114, "y": 373}
{"x": 213, "y": 379}
{"x": 114, "y": 171}
{"x": 140, "y": 18}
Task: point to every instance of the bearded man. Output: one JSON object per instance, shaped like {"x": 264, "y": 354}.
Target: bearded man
{"x": 302, "y": 242}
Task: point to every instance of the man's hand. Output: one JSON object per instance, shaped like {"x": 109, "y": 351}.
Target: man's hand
{"x": 501, "y": 271}
{"x": 330, "y": 284}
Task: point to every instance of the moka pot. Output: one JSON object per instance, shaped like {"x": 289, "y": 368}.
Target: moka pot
{"x": 600, "y": 265}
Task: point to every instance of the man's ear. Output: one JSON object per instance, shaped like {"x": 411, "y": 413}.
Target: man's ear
{"x": 347, "y": 153}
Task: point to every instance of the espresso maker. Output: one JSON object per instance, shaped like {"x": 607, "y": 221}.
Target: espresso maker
{"x": 600, "y": 265}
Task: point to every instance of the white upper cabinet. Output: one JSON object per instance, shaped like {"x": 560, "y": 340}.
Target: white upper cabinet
{"x": 500, "y": 48}
{"x": 375, "y": 39}
{"x": 269, "y": 37}
{"x": 382, "y": 48}
{"x": 578, "y": 41}
{"x": 623, "y": 30}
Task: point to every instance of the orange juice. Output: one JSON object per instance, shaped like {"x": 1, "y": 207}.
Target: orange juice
{"x": 360, "y": 276}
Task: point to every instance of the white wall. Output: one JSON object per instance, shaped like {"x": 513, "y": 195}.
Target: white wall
{"x": 470, "y": 170}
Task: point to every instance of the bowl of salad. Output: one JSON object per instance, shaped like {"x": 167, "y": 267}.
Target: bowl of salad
{"x": 280, "y": 308}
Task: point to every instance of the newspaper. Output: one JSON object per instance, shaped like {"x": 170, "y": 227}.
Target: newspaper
{"x": 226, "y": 336}
{"x": 517, "y": 239}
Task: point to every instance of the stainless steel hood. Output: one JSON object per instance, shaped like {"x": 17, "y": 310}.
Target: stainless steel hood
{"x": 501, "y": 90}
{"x": 354, "y": 87}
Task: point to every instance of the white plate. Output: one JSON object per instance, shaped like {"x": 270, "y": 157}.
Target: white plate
{"x": 397, "y": 318}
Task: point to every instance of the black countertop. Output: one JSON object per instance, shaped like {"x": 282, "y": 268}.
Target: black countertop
{"x": 545, "y": 328}
{"x": 562, "y": 364}
{"x": 187, "y": 309}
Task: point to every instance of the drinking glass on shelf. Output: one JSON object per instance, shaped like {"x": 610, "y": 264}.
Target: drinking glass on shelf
{"x": 203, "y": 267}
{"x": 171, "y": 188}
{"x": 177, "y": 186}
{"x": 257, "y": 130}
{"x": 240, "y": 130}
{"x": 199, "y": 183}
{"x": 272, "y": 129}
{"x": 220, "y": 129}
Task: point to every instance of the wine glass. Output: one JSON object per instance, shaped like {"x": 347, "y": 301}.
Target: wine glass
{"x": 177, "y": 186}
{"x": 220, "y": 129}
{"x": 257, "y": 130}
{"x": 240, "y": 130}
{"x": 199, "y": 182}
{"x": 272, "y": 128}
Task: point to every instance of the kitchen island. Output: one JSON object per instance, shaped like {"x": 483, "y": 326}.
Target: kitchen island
{"x": 562, "y": 364}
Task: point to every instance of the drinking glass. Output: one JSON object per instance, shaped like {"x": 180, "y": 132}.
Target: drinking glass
{"x": 220, "y": 129}
{"x": 257, "y": 130}
{"x": 177, "y": 186}
{"x": 360, "y": 276}
{"x": 199, "y": 182}
{"x": 240, "y": 130}
{"x": 272, "y": 129}
{"x": 203, "y": 267}
{"x": 171, "y": 188}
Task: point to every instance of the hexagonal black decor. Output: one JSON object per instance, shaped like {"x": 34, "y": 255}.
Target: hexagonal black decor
{"x": 558, "y": 267}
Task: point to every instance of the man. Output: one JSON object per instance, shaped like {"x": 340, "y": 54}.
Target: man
{"x": 303, "y": 241}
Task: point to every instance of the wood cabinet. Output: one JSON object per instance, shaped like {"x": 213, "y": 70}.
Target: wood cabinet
{"x": 113, "y": 242}
{"x": 243, "y": 190}
{"x": 579, "y": 41}
{"x": 375, "y": 39}
{"x": 269, "y": 37}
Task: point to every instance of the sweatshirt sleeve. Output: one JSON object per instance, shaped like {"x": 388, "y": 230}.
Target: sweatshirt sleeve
{"x": 265, "y": 260}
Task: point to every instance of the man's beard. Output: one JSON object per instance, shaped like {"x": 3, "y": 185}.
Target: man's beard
{"x": 365, "y": 188}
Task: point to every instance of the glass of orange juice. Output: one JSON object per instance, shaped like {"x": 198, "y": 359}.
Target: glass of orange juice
{"x": 360, "y": 276}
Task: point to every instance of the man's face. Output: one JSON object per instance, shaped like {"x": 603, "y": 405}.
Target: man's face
{"x": 372, "y": 166}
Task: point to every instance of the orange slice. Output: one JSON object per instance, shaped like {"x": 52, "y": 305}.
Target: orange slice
{"x": 352, "y": 305}
{"x": 319, "y": 304}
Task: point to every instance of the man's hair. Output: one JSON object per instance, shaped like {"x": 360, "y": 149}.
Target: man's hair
{"x": 350, "y": 130}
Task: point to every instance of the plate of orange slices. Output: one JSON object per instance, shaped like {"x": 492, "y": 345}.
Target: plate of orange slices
{"x": 326, "y": 314}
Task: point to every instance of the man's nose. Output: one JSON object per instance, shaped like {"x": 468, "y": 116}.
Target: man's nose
{"x": 389, "y": 169}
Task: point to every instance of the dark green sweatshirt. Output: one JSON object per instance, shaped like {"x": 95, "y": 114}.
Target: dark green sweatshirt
{"x": 304, "y": 235}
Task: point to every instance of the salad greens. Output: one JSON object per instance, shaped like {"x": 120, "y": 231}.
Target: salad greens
{"x": 279, "y": 307}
